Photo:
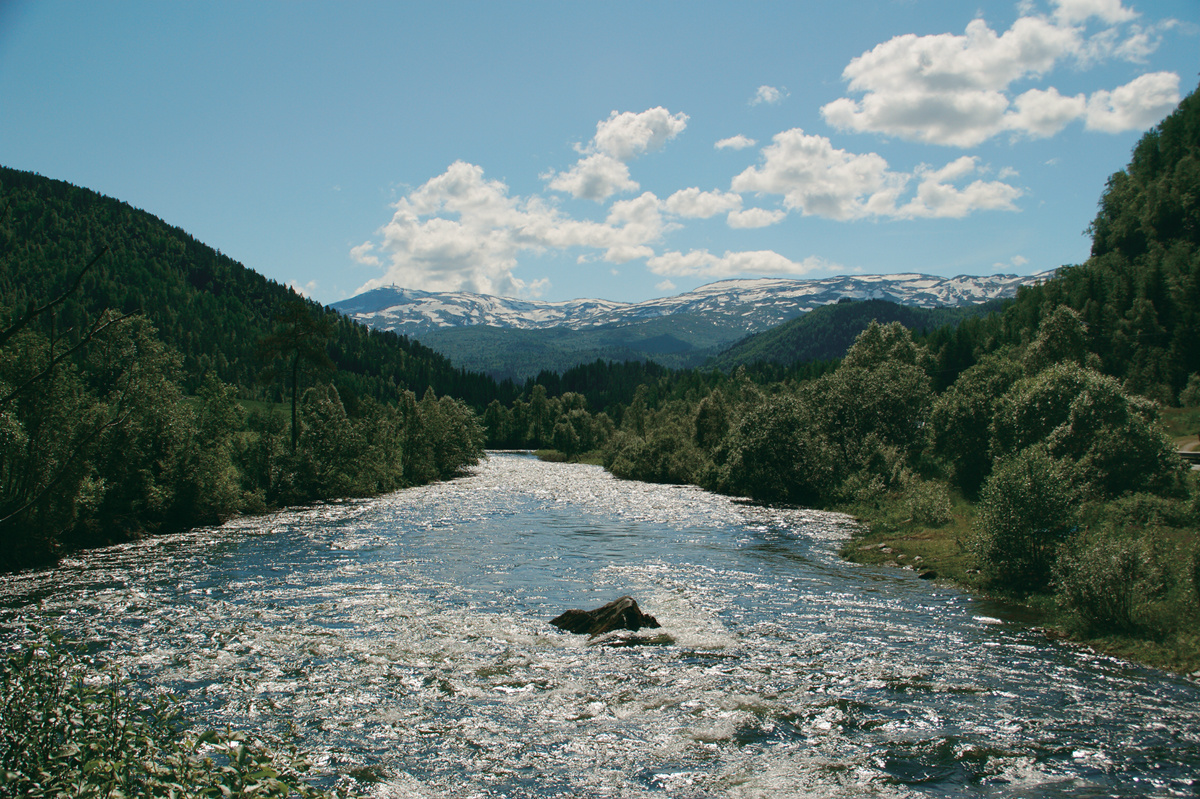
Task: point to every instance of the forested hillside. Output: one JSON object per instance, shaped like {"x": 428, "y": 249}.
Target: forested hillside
{"x": 681, "y": 341}
{"x": 204, "y": 305}
{"x": 1138, "y": 295}
{"x": 125, "y": 346}
{"x": 826, "y": 333}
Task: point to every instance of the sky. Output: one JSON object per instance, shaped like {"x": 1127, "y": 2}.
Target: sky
{"x": 613, "y": 150}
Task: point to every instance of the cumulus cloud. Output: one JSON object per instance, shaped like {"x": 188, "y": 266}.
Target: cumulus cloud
{"x": 754, "y": 217}
{"x": 603, "y": 170}
{"x": 738, "y": 142}
{"x": 938, "y": 197}
{"x": 954, "y": 90}
{"x": 696, "y": 204}
{"x": 596, "y": 177}
{"x": 769, "y": 95}
{"x": 702, "y": 263}
{"x": 1138, "y": 104}
{"x": 462, "y": 232}
{"x": 626, "y": 135}
{"x": 1075, "y": 11}
{"x": 362, "y": 254}
{"x": 304, "y": 290}
{"x": 815, "y": 178}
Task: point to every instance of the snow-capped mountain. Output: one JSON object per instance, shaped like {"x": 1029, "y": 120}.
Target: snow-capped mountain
{"x": 743, "y": 305}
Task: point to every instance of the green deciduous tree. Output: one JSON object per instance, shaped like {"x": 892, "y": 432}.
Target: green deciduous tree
{"x": 1083, "y": 416}
{"x": 961, "y": 417}
{"x": 1027, "y": 508}
{"x": 776, "y": 453}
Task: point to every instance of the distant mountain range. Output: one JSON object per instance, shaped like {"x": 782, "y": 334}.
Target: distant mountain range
{"x": 744, "y": 305}
{"x": 510, "y": 338}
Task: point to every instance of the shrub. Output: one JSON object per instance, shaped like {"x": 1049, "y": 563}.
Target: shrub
{"x": 1190, "y": 396}
{"x": 1083, "y": 416}
{"x": 773, "y": 454}
{"x": 1026, "y": 509}
{"x": 1103, "y": 582}
{"x": 928, "y": 501}
{"x": 71, "y": 728}
{"x": 960, "y": 417}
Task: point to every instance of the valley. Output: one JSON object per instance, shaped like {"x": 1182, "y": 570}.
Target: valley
{"x": 517, "y": 339}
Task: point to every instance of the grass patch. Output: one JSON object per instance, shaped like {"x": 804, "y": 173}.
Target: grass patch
{"x": 890, "y": 537}
{"x": 1182, "y": 425}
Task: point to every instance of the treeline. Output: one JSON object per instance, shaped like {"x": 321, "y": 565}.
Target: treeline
{"x": 826, "y": 333}
{"x": 101, "y": 440}
{"x": 209, "y": 308}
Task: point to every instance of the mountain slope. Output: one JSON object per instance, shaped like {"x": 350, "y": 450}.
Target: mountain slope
{"x": 827, "y": 332}
{"x": 1139, "y": 292}
{"x": 210, "y": 308}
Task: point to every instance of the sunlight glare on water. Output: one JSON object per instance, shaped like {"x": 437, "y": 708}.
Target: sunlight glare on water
{"x": 405, "y": 640}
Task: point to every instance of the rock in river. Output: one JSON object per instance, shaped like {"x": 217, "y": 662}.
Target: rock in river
{"x": 620, "y": 614}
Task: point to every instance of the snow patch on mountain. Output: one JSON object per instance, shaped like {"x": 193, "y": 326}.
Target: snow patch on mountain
{"x": 748, "y": 305}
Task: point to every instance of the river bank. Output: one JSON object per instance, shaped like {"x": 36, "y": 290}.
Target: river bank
{"x": 943, "y": 553}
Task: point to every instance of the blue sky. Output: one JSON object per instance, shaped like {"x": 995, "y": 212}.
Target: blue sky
{"x": 620, "y": 150}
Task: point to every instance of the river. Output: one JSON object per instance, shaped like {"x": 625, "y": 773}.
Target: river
{"x": 405, "y": 640}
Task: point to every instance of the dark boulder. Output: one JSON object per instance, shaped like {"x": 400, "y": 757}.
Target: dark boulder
{"x": 620, "y": 614}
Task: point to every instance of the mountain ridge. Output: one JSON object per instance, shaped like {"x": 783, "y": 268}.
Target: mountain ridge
{"x": 744, "y": 305}
{"x": 519, "y": 339}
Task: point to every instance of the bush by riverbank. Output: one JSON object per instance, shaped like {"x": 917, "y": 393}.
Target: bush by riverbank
{"x": 1128, "y": 584}
{"x": 100, "y": 444}
{"x": 69, "y": 726}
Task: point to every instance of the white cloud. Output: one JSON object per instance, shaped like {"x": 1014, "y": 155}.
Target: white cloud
{"x": 817, "y": 179}
{"x": 596, "y": 177}
{"x": 1075, "y": 11}
{"x": 1045, "y": 113}
{"x": 1138, "y": 104}
{"x": 665, "y": 285}
{"x": 1016, "y": 262}
{"x": 602, "y": 171}
{"x": 696, "y": 204}
{"x": 305, "y": 290}
{"x": 937, "y": 197}
{"x": 627, "y": 135}
{"x": 754, "y": 218}
{"x": 770, "y": 95}
{"x": 702, "y": 263}
{"x": 814, "y": 178}
{"x": 362, "y": 254}
{"x": 462, "y": 232}
{"x": 738, "y": 142}
{"x": 953, "y": 90}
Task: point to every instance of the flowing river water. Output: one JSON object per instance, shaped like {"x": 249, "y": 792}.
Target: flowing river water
{"x": 405, "y": 640}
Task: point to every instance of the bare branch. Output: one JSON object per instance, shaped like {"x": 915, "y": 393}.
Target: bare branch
{"x": 63, "y": 471}
{"x": 34, "y": 313}
{"x": 95, "y": 330}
